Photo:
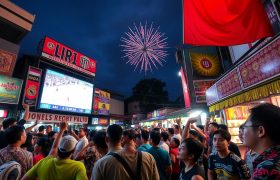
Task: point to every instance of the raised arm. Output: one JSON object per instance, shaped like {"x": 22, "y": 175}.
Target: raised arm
{"x": 186, "y": 130}
{"x": 178, "y": 121}
{"x": 27, "y": 130}
{"x": 198, "y": 130}
{"x": 63, "y": 127}
{"x": 26, "y": 113}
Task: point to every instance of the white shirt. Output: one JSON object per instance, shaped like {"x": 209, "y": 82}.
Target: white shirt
{"x": 83, "y": 142}
{"x": 164, "y": 146}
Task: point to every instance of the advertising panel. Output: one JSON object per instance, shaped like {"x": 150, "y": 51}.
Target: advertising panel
{"x": 7, "y": 62}
{"x": 200, "y": 87}
{"x": 66, "y": 56}
{"x": 32, "y": 86}
{"x": 101, "y": 102}
{"x": 9, "y": 89}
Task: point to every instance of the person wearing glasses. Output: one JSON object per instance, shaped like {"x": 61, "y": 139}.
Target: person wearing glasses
{"x": 261, "y": 134}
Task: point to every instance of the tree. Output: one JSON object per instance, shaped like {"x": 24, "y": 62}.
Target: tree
{"x": 151, "y": 94}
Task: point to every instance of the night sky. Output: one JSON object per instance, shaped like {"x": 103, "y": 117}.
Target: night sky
{"x": 94, "y": 28}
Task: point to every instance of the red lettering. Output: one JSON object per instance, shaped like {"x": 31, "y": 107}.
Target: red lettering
{"x": 38, "y": 116}
{"x": 56, "y": 117}
{"x": 43, "y": 116}
{"x": 50, "y": 117}
{"x": 33, "y": 116}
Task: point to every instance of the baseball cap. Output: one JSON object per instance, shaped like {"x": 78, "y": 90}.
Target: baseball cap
{"x": 67, "y": 144}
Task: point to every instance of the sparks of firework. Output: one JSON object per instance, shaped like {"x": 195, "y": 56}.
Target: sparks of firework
{"x": 144, "y": 47}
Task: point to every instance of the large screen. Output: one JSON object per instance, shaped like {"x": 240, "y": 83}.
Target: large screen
{"x": 65, "y": 93}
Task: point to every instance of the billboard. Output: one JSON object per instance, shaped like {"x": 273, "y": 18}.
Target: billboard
{"x": 7, "y": 62}
{"x": 9, "y": 89}
{"x": 32, "y": 86}
{"x": 101, "y": 102}
{"x": 61, "y": 54}
{"x": 200, "y": 87}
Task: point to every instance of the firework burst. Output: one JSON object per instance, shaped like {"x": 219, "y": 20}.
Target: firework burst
{"x": 144, "y": 47}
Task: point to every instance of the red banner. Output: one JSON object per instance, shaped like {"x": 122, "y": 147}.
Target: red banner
{"x": 229, "y": 84}
{"x": 32, "y": 86}
{"x": 64, "y": 55}
{"x": 7, "y": 62}
{"x": 261, "y": 67}
{"x": 185, "y": 89}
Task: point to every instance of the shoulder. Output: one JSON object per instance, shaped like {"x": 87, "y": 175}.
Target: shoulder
{"x": 107, "y": 159}
{"x": 235, "y": 158}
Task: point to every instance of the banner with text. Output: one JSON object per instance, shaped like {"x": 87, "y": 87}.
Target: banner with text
{"x": 32, "y": 86}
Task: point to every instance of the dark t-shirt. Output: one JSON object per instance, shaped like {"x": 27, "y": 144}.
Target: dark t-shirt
{"x": 195, "y": 170}
{"x": 3, "y": 140}
{"x": 234, "y": 148}
{"x": 230, "y": 167}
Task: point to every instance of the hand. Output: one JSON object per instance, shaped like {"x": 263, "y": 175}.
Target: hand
{"x": 178, "y": 121}
{"x": 25, "y": 106}
{"x": 193, "y": 126}
{"x": 63, "y": 126}
{"x": 192, "y": 120}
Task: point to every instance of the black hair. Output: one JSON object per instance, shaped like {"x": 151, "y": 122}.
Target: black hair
{"x": 268, "y": 116}
{"x": 194, "y": 133}
{"x": 92, "y": 134}
{"x": 171, "y": 130}
{"x": 156, "y": 129}
{"x": 51, "y": 134}
{"x": 99, "y": 139}
{"x": 13, "y": 134}
{"x": 214, "y": 124}
{"x": 223, "y": 126}
{"x": 194, "y": 147}
{"x": 155, "y": 137}
{"x": 177, "y": 142}
{"x": 145, "y": 135}
{"x": 64, "y": 155}
{"x": 200, "y": 127}
{"x": 176, "y": 126}
{"x": 241, "y": 126}
{"x": 225, "y": 134}
{"x": 45, "y": 144}
{"x": 28, "y": 143}
{"x": 41, "y": 128}
{"x": 165, "y": 136}
{"x": 114, "y": 132}
{"x": 130, "y": 133}
{"x": 8, "y": 122}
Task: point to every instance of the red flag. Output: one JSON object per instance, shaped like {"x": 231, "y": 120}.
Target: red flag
{"x": 185, "y": 89}
{"x": 224, "y": 22}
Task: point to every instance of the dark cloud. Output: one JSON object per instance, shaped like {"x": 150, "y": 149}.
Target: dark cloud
{"x": 94, "y": 28}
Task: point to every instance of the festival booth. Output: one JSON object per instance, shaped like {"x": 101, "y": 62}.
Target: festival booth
{"x": 59, "y": 85}
{"x": 253, "y": 81}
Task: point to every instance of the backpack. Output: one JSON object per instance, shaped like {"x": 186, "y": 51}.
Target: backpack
{"x": 10, "y": 171}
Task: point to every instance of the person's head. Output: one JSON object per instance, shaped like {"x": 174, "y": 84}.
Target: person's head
{"x": 262, "y": 127}
{"x": 114, "y": 134}
{"x": 129, "y": 137}
{"x": 82, "y": 133}
{"x": 91, "y": 135}
{"x": 66, "y": 147}
{"x": 52, "y": 135}
{"x": 138, "y": 140}
{"x": 175, "y": 143}
{"x": 190, "y": 150}
{"x": 48, "y": 129}
{"x": 193, "y": 134}
{"x": 170, "y": 132}
{"x": 99, "y": 140}
{"x": 155, "y": 137}
{"x": 8, "y": 122}
{"x": 41, "y": 129}
{"x": 176, "y": 129}
{"x": 213, "y": 126}
{"x": 43, "y": 146}
{"x": 15, "y": 135}
{"x": 221, "y": 140}
{"x": 223, "y": 126}
{"x": 144, "y": 136}
{"x": 29, "y": 142}
{"x": 201, "y": 127}
{"x": 164, "y": 136}
{"x": 241, "y": 133}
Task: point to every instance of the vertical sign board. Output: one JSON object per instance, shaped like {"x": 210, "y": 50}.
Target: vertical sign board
{"x": 185, "y": 89}
{"x": 32, "y": 86}
{"x": 7, "y": 62}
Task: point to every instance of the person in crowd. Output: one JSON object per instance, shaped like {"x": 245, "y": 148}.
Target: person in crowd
{"x": 164, "y": 141}
{"x": 41, "y": 149}
{"x": 174, "y": 151}
{"x": 83, "y": 141}
{"x": 261, "y": 134}
{"x": 190, "y": 151}
{"x": 16, "y": 136}
{"x": 29, "y": 143}
{"x": 145, "y": 141}
{"x": 41, "y": 132}
{"x": 212, "y": 127}
{"x": 99, "y": 141}
{"x": 171, "y": 134}
{"x": 58, "y": 164}
{"x": 89, "y": 154}
{"x": 132, "y": 164}
{"x": 138, "y": 139}
{"x": 52, "y": 136}
{"x": 232, "y": 146}
{"x": 161, "y": 156}
{"x": 178, "y": 130}
{"x": 224, "y": 164}
{"x": 48, "y": 129}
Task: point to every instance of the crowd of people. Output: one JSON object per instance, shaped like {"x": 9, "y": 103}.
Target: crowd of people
{"x": 184, "y": 152}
